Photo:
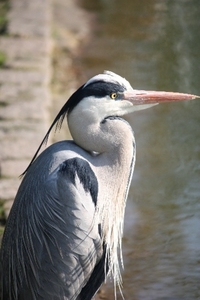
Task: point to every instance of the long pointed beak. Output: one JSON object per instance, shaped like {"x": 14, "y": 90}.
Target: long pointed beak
{"x": 140, "y": 97}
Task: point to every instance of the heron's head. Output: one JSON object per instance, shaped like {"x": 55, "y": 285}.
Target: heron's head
{"x": 109, "y": 94}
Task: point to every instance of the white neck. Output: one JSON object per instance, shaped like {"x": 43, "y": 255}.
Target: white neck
{"x": 114, "y": 141}
{"x": 117, "y": 174}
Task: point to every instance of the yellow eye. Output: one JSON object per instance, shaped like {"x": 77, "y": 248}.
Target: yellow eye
{"x": 113, "y": 96}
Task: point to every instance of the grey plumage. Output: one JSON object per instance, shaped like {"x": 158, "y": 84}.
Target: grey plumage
{"x": 55, "y": 236}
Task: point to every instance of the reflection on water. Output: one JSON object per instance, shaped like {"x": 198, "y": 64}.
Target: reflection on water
{"x": 156, "y": 45}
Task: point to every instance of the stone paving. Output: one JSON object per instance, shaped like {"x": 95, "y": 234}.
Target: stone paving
{"x": 37, "y": 31}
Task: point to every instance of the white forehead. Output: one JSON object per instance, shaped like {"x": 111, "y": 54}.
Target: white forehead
{"x": 111, "y": 77}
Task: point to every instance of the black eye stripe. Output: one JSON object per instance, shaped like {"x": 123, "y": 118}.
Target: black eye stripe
{"x": 102, "y": 89}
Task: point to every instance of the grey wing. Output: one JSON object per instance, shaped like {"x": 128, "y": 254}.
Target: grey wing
{"x": 60, "y": 251}
{"x": 78, "y": 181}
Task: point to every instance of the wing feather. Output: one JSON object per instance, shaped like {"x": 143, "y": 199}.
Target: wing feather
{"x": 59, "y": 244}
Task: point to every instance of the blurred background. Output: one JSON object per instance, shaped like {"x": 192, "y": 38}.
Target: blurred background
{"x": 155, "y": 45}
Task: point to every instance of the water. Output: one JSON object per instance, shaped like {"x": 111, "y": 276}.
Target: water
{"x": 155, "y": 44}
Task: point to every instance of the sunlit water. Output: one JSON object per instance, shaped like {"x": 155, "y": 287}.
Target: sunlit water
{"x": 156, "y": 45}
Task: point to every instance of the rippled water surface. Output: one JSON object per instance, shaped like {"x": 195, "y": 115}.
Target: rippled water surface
{"x": 155, "y": 44}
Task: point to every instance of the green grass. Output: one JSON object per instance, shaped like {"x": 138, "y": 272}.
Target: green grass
{"x": 4, "y": 6}
{"x": 2, "y": 213}
{"x": 2, "y": 59}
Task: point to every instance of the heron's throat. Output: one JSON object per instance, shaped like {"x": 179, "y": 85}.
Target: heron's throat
{"x": 113, "y": 191}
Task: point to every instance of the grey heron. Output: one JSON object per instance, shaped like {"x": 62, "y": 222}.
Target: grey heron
{"x": 63, "y": 235}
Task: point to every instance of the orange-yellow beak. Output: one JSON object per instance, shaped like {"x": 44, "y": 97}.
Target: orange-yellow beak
{"x": 140, "y": 97}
